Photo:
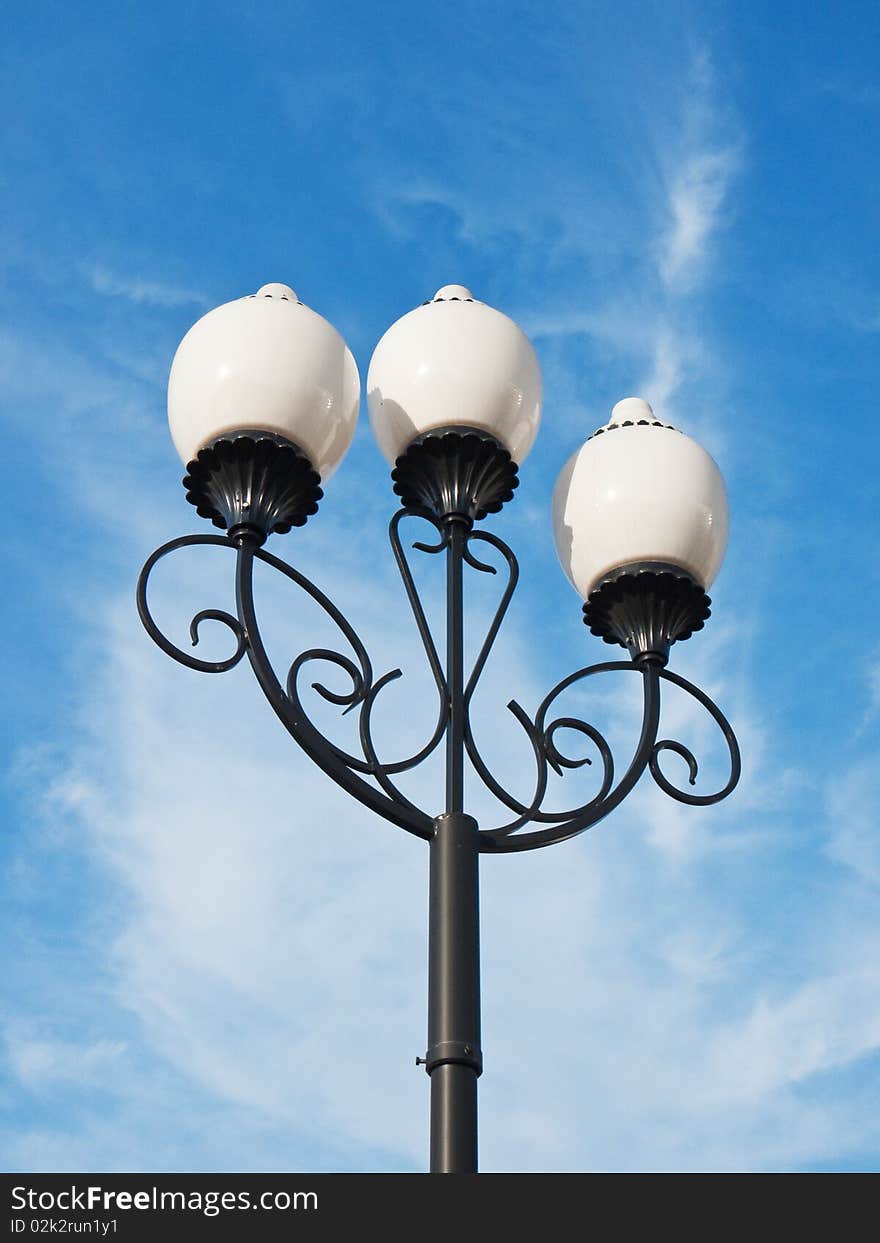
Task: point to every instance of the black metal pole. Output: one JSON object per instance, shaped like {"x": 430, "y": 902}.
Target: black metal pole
{"x": 454, "y": 1058}
{"x": 455, "y": 666}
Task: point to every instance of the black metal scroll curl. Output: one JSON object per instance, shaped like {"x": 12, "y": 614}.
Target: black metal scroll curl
{"x": 171, "y": 649}
{"x": 682, "y": 796}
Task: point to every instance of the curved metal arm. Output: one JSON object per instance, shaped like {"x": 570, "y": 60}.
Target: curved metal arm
{"x": 542, "y": 734}
{"x": 571, "y": 822}
{"x": 289, "y": 708}
{"x": 336, "y": 763}
{"x": 356, "y": 773}
{"x": 646, "y": 755}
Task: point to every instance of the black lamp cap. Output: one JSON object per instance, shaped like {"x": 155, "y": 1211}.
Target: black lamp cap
{"x": 456, "y": 472}
{"x": 255, "y": 481}
{"x": 646, "y": 607}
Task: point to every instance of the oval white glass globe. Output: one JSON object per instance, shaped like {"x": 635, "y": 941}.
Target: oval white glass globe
{"x": 266, "y": 363}
{"x": 454, "y": 362}
{"x": 639, "y": 490}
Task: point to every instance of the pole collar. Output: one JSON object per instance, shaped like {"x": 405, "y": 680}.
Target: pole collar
{"x": 458, "y": 1052}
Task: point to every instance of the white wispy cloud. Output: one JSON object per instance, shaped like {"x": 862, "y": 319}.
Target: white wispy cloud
{"x": 699, "y": 167}
{"x": 39, "y": 1062}
{"x": 140, "y": 290}
{"x": 650, "y": 315}
{"x": 673, "y": 354}
{"x": 698, "y": 194}
{"x": 852, "y": 799}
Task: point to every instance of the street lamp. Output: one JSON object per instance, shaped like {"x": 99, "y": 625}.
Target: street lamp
{"x": 262, "y": 402}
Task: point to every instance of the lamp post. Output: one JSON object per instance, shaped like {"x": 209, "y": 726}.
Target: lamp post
{"x": 262, "y": 401}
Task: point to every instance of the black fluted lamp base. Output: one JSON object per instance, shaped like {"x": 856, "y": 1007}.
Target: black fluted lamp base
{"x": 646, "y": 608}
{"x": 253, "y": 480}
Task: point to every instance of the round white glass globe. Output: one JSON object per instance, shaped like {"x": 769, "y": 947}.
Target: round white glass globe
{"x": 266, "y": 363}
{"x": 639, "y": 490}
{"x": 454, "y": 362}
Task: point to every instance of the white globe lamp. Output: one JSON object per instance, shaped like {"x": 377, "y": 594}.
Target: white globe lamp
{"x": 455, "y": 383}
{"x": 639, "y": 511}
{"x": 263, "y": 398}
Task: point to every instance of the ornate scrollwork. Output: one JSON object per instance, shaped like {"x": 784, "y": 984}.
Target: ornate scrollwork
{"x": 171, "y": 649}
{"x": 696, "y": 800}
{"x": 369, "y": 777}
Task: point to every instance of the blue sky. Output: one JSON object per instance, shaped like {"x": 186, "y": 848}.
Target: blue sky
{"x": 213, "y": 960}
